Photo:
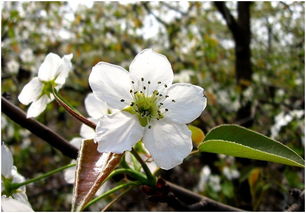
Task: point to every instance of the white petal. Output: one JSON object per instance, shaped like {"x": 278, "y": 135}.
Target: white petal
{"x": 95, "y": 107}
{"x": 31, "y": 91}
{"x": 153, "y": 67}
{"x": 69, "y": 174}
{"x": 12, "y": 205}
{"x": 87, "y": 132}
{"x": 22, "y": 197}
{"x": 76, "y": 142}
{"x": 6, "y": 161}
{"x": 118, "y": 132}
{"x": 111, "y": 84}
{"x": 63, "y": 70}
{"x": 48, "y": 68}
{"x": 38, "y": 106}
{"x": 188, "y": 104}
{"x": 168, "y": 143}
{"x": 17, "y": 178}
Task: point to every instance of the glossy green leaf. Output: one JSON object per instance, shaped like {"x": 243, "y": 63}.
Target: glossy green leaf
{"x": 241, "y": 142}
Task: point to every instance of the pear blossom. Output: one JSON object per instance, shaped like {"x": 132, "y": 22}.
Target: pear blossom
{"x": 52, "y": 73}
{"x": 152, "y": 109}
{"x": 9, "y": 174}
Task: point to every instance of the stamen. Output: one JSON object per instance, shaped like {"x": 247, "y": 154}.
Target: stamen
{"x": 122, "y": 100}
{"x": 166, "y": 110}
{"x": 159, "y": 82}
{"x": 161, "y": 104}
{"x": 144, "y": 88}
{"x": 149, "y": 82}
{"x": 131, "y": 91}
{"x": 142, "y": 79}
{"x": 132, "y": 104}
{"x": 133, "y": 82}
{"x": 149, "y": 127}
{"x": 167, "y": 96}
{"x": 165, "y": 85}
{"x": 173, "y": 101}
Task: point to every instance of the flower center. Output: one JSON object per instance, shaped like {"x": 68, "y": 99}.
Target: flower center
{"x": 145, "y": 107}
{"x": 47, "y": 87}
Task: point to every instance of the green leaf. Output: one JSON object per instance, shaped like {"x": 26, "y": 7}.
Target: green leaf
{"x": 241, "y": 142}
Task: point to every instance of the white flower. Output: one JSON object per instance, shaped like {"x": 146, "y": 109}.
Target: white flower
{"x": 27, "y": 55}
{"x": 9, "y": 173}
{"x": 9, "y": 204}
{"x": 152, "y": 109}
{"x": 13, "y": 66}
{"x": 183, "y": 76}
{"x": 230, "y": 173}
{"x": 52, "y": 73}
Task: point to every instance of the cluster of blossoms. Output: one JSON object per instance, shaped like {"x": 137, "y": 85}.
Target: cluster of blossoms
{"x": 16, "y": 200}
{"x": 146, "y": 105}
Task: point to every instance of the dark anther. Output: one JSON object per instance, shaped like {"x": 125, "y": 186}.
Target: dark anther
{"x": 166, "y": 86}
{"x": 131, "y": 91}
{"x": 173, "y": 101}
{"x": 167, "y": 96}
{"x": 160, "y": 95}
{"x": 142, "y": 79}
{"x": 166, "y": 110}
{"x": 133, "y": 82}
{"x": 122, "y": 100}
{"x": 132, "y": 104}
{"x": 135, "y": 93}
{"x": 149, "y": 82}
{"x": 144, "y": 88}
{"x": 161, "y": 104}
{"x": 149, "y": 127}
{"x": 159, "y": 82}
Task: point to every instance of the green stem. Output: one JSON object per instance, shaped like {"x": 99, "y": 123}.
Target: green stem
{"x": 116, "y": 198}
{"x": 72, "y": 111}
{"x": 17, "y": 185}
{"x": 110, "y": 192}
{"x": 150, "y": 177}
{"x": 134, "y": 174}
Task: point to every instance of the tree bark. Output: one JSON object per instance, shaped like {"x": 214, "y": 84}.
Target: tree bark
{"x": 241, "y": 32}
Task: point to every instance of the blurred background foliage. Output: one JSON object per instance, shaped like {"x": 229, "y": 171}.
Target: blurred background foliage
{"x": 200, "y": 47}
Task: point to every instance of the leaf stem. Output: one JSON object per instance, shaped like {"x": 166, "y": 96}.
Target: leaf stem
{"x": 110, "y": 192}
{"x": 72, "y": 111}
{"x": 116, "y": 198}
{"x": 17, "y": 185}
{"x": 150, "y": 177}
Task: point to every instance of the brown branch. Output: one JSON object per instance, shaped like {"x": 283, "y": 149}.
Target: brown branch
{"x": 228, "y": 17}
{"x": 38, "y": 129}
{"x": 177, "y": 197}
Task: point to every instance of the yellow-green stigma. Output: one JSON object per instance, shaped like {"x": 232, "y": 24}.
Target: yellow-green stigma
{"x": 145, "y": 107}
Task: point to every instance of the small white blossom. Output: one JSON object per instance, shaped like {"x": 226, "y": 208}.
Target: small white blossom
{"x": 9, "y": 173}
{"x": 13, "y": 66}
{"x": 152, "y": 108}
{"x": 230, "y": 173}
{"x": 27, "y": 55}
{"x": 183, "y": 76}
{"x": 52, "y": 73}
{"x": 283, "y": 119}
